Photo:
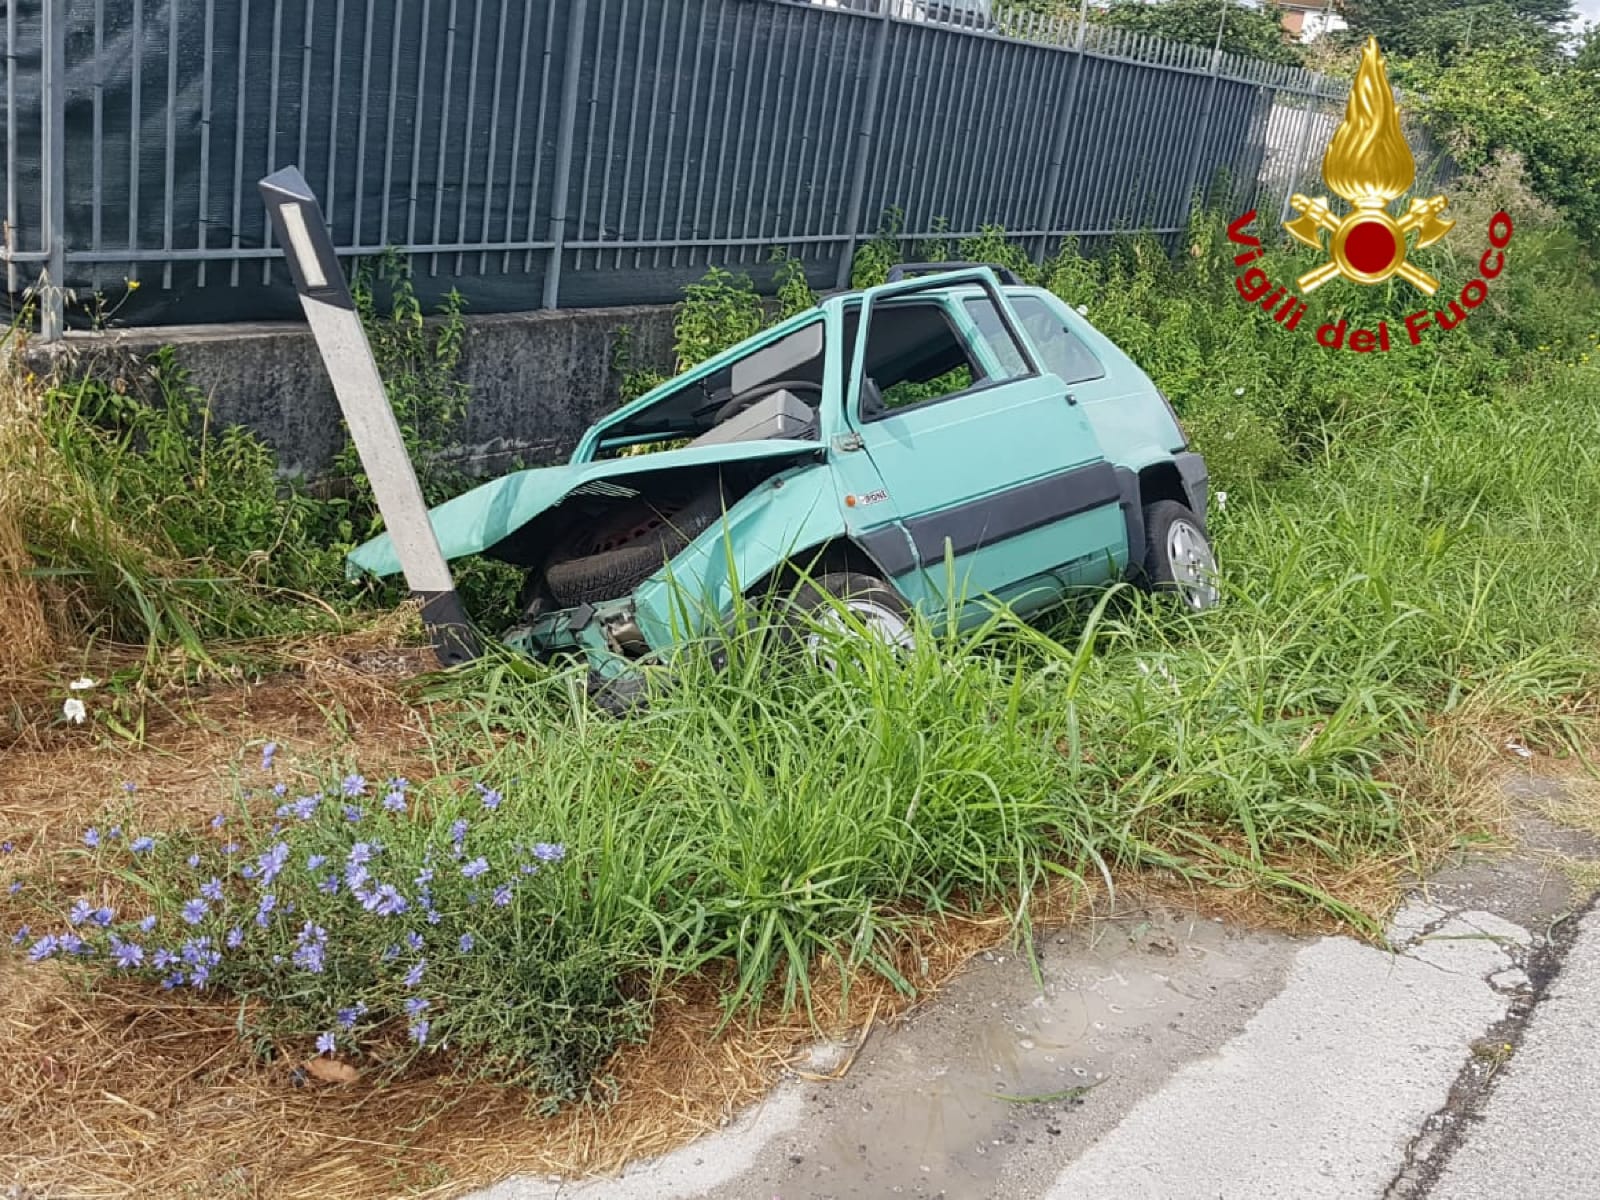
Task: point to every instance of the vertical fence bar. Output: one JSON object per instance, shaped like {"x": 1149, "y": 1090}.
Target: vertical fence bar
{"x": 869, "y": 119}
{"x": 416, "y": 124}
{"x": 494, "y": 136}
{"x": 688, "y": 136}
{"x": 444, "y": 132}
{"x": 633, "y": 128}
{"x": 53, "y": 200}
{"x": 666, "y": 146}
{"x": 167, "y": 199}
{"x": 202, "y": 225}
{"x": 97, "y": 180}
{"x": 516, "y": 136}
{"x": 538, "y": 136}
{"x": 135, "y": 119}
{"x": 589, "y": 131}
{"x": 236, "y": 230}
{"x": 466, "y": 141}
{"x": 329, "y": 190}
{"x": 1297, "y": 163}
{"x": 359, "y": 201}
{"x": 272, "y": 128}
{"x": 10, "y": 232}
{"x": 563, "y": 180}
{"x": 1204, "y": 131}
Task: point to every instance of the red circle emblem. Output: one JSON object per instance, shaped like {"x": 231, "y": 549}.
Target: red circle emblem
{"x": 1369, "y": 247}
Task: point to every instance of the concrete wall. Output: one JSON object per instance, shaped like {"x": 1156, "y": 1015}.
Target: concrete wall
{"x": 537, "y": 379}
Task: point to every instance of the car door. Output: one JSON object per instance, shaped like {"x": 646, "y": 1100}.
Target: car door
{"x": 963, "y": 461}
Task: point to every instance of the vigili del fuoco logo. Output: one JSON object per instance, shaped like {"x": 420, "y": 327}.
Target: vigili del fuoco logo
{"x": 1369, "y": 166}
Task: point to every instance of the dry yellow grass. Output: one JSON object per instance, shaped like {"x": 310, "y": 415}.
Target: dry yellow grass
{"x": 27, "y": 639}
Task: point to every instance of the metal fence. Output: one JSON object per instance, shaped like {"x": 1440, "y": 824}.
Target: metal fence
{"x": 542, "y": 152}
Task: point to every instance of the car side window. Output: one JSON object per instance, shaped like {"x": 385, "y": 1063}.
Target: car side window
{"x": 916, "y": 354}
{"x": 1064, "y": 353}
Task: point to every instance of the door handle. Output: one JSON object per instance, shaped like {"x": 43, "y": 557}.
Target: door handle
{"x": 1071, "y": 398}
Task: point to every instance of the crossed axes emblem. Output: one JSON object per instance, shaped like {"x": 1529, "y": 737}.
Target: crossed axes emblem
{"x": 1368, "y": 245}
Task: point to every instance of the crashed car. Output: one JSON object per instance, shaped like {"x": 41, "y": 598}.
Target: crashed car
{"x": 940, "y": 444}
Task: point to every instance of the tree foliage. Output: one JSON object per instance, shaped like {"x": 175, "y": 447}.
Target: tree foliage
{"x": 1450, "y": 31}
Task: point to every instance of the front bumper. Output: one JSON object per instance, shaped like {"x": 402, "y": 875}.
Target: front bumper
{"x": 606, "y": 634}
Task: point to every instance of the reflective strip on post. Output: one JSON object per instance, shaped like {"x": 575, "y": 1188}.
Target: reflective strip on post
{"x": 330, "y": 311}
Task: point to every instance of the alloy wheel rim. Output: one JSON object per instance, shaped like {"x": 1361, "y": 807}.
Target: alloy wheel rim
{"x": 1194, "y": 568}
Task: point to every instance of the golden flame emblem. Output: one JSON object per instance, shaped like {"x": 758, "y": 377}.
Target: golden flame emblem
{"x": 1369, "y": 164}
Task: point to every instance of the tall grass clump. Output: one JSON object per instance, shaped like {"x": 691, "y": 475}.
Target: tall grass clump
{"x": 28, "y": 636}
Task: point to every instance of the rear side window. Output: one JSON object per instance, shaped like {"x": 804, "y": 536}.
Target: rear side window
{"x": 1064, "y": 354}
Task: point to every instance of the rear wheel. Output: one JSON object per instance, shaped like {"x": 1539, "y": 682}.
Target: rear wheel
{"x": 1178, "y": 555}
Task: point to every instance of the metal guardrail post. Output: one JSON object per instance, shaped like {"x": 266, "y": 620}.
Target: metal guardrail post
{"x": 53, "y": 195}
{"x": 564, "y": 139}
{"x": 869, "y": 119}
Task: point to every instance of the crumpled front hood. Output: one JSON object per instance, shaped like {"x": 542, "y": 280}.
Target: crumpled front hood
{"x": 488, "y": 514}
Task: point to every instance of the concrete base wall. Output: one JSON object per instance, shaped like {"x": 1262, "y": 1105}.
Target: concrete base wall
{"x": 537, "y": 380}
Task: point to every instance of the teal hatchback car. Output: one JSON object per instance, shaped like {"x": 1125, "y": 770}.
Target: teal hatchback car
{"x": 943, "y": 443}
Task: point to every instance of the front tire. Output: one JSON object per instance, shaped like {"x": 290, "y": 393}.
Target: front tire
{"x": 846, "y": 602}
{"x": 1178, "y": 556}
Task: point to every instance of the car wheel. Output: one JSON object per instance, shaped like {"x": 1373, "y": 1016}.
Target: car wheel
{"x": 846, "y": 602}
{"x": 608, "y": 558}
{"x": 1178, "y": 555}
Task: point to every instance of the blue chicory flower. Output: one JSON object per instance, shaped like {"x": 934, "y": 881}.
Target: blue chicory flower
{"x": 352, "y": 814}
{"x": 458, "y": 830}
{"x": 264, "y": 909}
{"x": 20, "y": 936}
{"x": 140, "y": 845}
{"x": 325, "y": 1043}
{"x": 280, "y": 790}
{"x": 419, "y": 1033}
{"x": 13, "y": 887}
{"x": 549, "y": 852}
{"x": 194, "y": 861}
{"x": 195, "y": 911}
{"x": 232, "y": 848}
{"x": 416, "y": 1006}
{"x": 175, "y": 980}
{"x": 502, "y": 895}
{"x": 235, "y": 938}
{"x": 218, "y": 821}
{"x": 315, "y": 861}
{"x": 7, "y": 847}
{"x": 491, "y": 798}
{"x": 78, "y": 913}
{"x": 211, "y": 889}
{"x": 466, "y": 943}
{"x": 146, "y": 924}
{"x": 414, "y": 940}
{"x": 414, "y": 975}
{"x": 360, "y": 853}
{"x": 103, "y": 916}
{"x": 71, "y": 943}
{"x": 424, "y": 877}
{"x": 329, "y": 886}
{"x": 475, "y": 868}
{"x": 390, "y": 953}
{"x": 163, "y": 958}
{"x": 434, "y": 917}
{"x": 306, "y": 807}
{"x": 128, "y": 955}
{"x": 272, "y": 862}
{"x": 354, "y": 785}
{"x": 395, "y": 802}
{"x": 45, "y": 947}
{"x": 91, "y": 837}
{"x": 386, "y": 901}
{"x": 198, "y": 976}
{"x": 348, "y": 1017}
{"x": 114, "y": 832}
{"x": 268, "y": 753}
{"x": 356, "y": 876}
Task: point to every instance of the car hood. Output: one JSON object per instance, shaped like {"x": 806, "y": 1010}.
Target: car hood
{"x": 492, "y": 512}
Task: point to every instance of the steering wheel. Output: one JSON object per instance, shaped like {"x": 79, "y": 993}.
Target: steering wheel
{"x": 756, "y": 394}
